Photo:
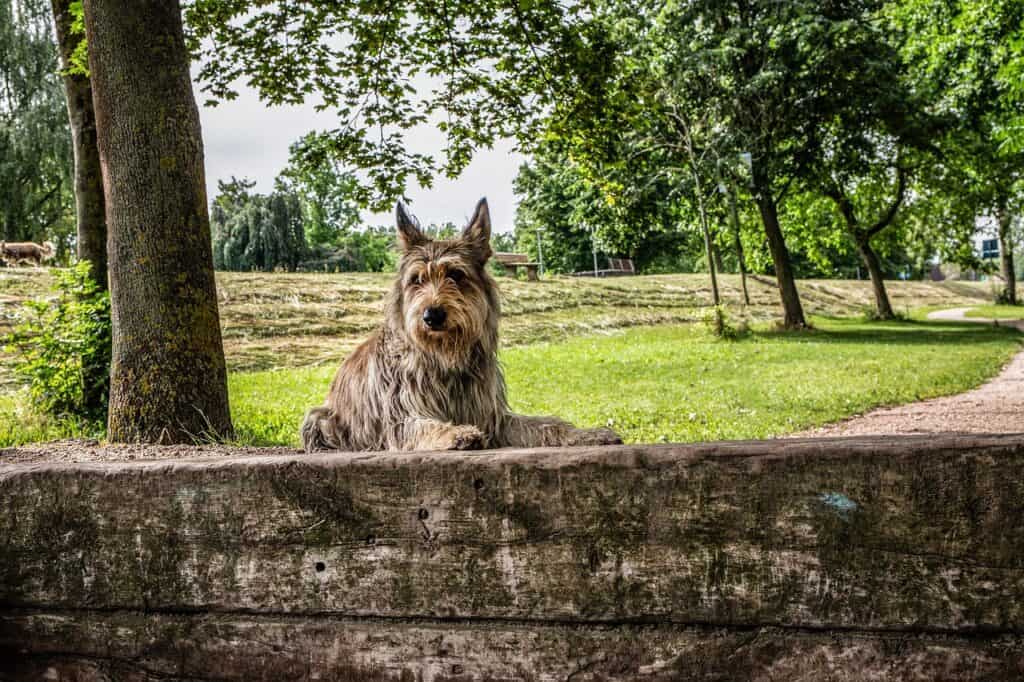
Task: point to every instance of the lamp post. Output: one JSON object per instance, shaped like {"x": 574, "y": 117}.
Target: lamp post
{"x": 540, "y": 255}
{"x": 734, "y": 219}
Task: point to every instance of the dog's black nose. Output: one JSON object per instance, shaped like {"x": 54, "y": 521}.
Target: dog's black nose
{"x": 435, "y": 317}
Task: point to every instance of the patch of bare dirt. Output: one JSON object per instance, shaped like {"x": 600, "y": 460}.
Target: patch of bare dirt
{"x": 84, "y": 451}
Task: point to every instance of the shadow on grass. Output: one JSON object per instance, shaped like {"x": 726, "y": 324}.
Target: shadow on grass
{"x": 901, "y": 332}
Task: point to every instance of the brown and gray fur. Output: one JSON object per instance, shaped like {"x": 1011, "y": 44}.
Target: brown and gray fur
{"x": 20, "y": 252}
{"x": 411, "y": 386}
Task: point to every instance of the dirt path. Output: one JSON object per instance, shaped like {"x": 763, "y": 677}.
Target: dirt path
{"x": 993, "y": 407}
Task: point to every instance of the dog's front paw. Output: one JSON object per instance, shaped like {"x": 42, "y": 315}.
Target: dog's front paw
{"x": 465, "y": 438}
{"x": 594, "y": 437}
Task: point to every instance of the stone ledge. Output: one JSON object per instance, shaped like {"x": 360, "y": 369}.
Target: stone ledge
{"x": 82, "y": 645}
{"x": 874, "y": 540}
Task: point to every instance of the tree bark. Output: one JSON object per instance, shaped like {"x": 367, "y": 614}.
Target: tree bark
{"x": 168, "y": 379}
{"x": 862, "y": 237}
{"x": 90, "y": 209}
{"x": 709, "y": 253}
{"x": 883, "y": 309}
{"x": 1006, "y": 251}
{"x": 793, "y": 311}
{"x": 735, "y": 220}
{"x": 708, "y": 250}
{"x": 716, "y": 251}
{"x": 90, "y": 206}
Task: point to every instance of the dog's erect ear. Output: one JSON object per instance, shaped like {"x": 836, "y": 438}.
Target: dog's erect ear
{"x": 409, "y": 233}
{"x": 478, "y": 231}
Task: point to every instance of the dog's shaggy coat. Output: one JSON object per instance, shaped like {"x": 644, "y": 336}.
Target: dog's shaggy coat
{"x": 429, "y": 378}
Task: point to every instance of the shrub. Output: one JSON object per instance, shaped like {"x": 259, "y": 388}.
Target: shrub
{"x": 62, "y": 346}
{"x": 720, "y": 325}
{"x": 1002, "y": 297}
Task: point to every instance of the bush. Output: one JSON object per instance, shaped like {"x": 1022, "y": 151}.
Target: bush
{"x": 1002, "y": 297}
{"x": 63, "y": 344}
{"x": 720, "y": 325}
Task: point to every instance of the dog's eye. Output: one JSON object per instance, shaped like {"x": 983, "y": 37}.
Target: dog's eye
{"x": 456, "y": 275}
{"x": 416, "y": 280}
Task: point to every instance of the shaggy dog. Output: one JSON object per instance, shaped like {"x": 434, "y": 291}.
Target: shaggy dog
{"x": 428, "y": 378}
{"x": 18, "y": 252}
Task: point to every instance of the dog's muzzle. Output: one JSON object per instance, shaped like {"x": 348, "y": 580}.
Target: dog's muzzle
{"x": 434, "y": 318}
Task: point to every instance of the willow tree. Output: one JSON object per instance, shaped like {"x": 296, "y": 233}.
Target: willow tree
{"x": 35, "y": 154}
{"x": 168, "y": 381}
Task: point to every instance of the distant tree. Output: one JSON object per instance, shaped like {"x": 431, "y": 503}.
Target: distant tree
{"x": 871, "y": 148}
{"x": 445, "y": 230}
{"x": 774, "y": 74}
{"x": 503, "y": 242}
{"x": 968, "y": 55}
{"x": 256, "y": 232}
{"x": 289, "y": 238}
{"x": 548, "y": 194}
{"x": 616, "y": 209}
{"x": 370, "y": 250}
{"x": 35, "y": 149}
{"x": 328, "y": 192}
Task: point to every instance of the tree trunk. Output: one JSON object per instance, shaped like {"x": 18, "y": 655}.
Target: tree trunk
{"x": 734, "y": 218}
{"x": 793, "y": 311}
{"x": 708, "y": 250}
{"x": 716, "y": 251}
{"x": 883, "y": 309}
{"x": 89, "y": 201}
{"x": 1006, "y": 252}
{"x": 168, "y": 380}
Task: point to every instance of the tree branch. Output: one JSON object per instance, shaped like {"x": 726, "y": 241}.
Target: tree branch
{"x": 890, "y": 215}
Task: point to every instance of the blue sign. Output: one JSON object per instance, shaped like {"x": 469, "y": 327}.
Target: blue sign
{"x": 990, "y": 248}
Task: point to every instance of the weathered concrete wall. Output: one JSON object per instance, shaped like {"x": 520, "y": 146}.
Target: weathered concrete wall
{"x": 781, "y": 560}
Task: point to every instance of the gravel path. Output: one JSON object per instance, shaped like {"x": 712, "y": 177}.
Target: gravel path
{"x": 994, "y": 407}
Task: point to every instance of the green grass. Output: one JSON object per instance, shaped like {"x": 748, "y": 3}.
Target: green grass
{"x": 679, "y": 383}
{"x": 668, "y": 383}
{"x": 19, "y": 425}
{"x": 588, "y": 350}
{"x": 997, "y": 312}
{"x": 294, "y": 320}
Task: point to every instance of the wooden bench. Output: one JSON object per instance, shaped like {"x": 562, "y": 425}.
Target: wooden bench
{"x": 617, "y": 267}
{"x": 621, "y": 266}
{"x": 514, "y": 261}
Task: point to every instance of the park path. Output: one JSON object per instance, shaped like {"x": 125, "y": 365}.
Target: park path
{"x": 994, "y": 407}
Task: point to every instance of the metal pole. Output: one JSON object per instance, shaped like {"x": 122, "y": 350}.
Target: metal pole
{"x": 540, "y": 254}
{"x": 735, "y": 220}
{"x": 593, "y": 247}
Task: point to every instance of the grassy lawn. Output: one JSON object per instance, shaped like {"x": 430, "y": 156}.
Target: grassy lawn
{"x": 614, "y": 351}
{"x": 294, "y": 320}
{"x": 674, "y": 383}
{"x": 20, "y": 425}
{"x": 678, "y": 383}
{"x": 997, "y": 312}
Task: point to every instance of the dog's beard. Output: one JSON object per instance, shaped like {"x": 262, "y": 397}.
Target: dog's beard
{"x": 452, "y": 346}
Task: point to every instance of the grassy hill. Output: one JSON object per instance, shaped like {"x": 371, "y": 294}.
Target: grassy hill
{"x": 273, "y": 320}
{"x": 285, "y": 335}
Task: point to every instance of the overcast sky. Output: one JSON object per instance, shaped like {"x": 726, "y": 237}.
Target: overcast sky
{"x": 246, "y": 139}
